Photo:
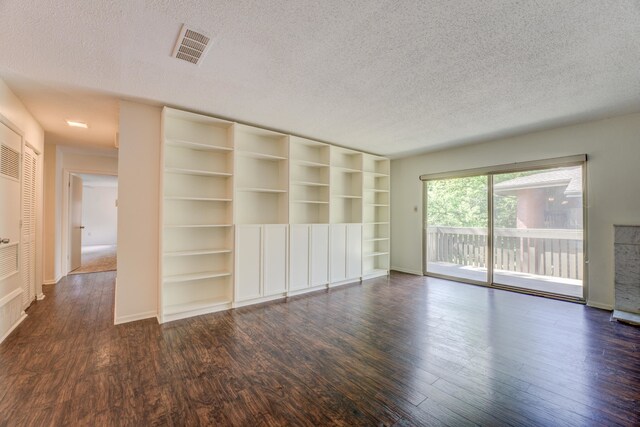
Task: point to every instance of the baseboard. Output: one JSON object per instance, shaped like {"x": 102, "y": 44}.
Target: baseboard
{"x": 303, "y": 291}
{"x": 193, "y": 313}
{"x": 626, "y": 317}
{"x": 52, "y": 281}
{"x": 260, "y": 300}
{"x": 408, "y": 271}
{"x": 375, "y": 275}
{"x": 603, "y": 306}
{"x": 15, "y": 325}
{"x": 345, "y": 282}
{"x": 40, "y": 297}
{"x": 133, "y": 317}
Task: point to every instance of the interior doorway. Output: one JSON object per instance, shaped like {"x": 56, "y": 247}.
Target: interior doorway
{"x": 92, "y": 223}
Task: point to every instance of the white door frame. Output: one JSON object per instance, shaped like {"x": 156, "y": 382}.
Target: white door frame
{"x": 66, "y": 217}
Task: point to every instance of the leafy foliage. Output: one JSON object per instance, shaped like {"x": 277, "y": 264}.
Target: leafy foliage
{"x": 462, "y": 202}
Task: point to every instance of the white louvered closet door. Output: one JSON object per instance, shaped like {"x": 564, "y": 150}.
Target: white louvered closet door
{"x": 29, "y": 171}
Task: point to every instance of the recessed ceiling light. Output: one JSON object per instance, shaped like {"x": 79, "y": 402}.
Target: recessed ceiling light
{"x": 76, "y": 124}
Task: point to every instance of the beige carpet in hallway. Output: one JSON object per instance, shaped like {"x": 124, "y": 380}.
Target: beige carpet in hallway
{"x": 97, "y": 258}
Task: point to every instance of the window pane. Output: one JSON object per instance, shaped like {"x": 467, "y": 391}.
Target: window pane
{"x": 538, "y": 230}
{"x": 456, "y": 227}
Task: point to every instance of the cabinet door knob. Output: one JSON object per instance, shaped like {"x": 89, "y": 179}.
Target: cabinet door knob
{"x": 5, "y": 241}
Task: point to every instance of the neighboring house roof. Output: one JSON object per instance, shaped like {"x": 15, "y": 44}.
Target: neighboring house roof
{"x": 569, "y": 177}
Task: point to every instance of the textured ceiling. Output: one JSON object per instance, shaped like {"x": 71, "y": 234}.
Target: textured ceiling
{"x": 388, "y": 77}
{"x": 53, "y": 105}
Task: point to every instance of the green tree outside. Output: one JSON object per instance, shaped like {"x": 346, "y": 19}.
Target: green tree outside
{"x": 462, "y": 202}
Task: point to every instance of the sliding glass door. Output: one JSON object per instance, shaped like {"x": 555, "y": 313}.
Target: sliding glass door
{"x": 457, "y": 226}
{"x": 537, "y": 232}
{"x": 518, "y": 228}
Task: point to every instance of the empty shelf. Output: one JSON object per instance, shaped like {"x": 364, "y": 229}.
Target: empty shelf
{"x": 258, "y": 155}
{"x": 376, "y": 223}
{"x": 376, "y": 272}
{"x": 197, "y": 252}
{"x": 346, "y": 196}
{"x": 376, "y": 173}
{"x": 261, "y": 190}
{"x": 376, "y": 190}
{"x": 318, "y": 202}
{"x": 376, "y": 239}
{"x": 196, "y": 145}
{"x": 378, "y": 204}
{"x": 372, "y": 254}
{"x": 195, "y": 172}
{"x": 196, "y": 305}
{"x": 195, "y": 276}
{"x": 311, "y": 164}
{"x": 345, "y": 169}
{"x": 310, "y": 183}
{"x": 196, "y": 225}
{"x": 198, "y": 199}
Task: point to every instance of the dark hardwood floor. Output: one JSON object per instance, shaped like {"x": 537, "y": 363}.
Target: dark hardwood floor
{"x": 402, "y": 351}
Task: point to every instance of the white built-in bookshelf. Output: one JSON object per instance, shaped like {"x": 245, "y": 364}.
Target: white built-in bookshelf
{"x": 346, "y": 186}
{"x": 376, "y": 208}
{"x": 197, "y": 215}
{"x": 262, "y": 176}
{"x": 309, "y": 166}
{"x": 231, "y": 194}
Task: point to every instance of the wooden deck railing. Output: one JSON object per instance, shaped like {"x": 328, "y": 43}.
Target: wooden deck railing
{"x": 556, "y": 253}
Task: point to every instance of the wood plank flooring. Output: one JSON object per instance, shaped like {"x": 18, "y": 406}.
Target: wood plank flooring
{"x": 404, "y": 351}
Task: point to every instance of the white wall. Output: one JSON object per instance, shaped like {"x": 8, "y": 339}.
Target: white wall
{"x": 15, "y": 112}
{"x": 13, "y": 109}
{"x": 99, "y": 215}
{"x": 52, "y": 186}
{"x": 613, "y": 180}
{"x": 67, "y": 159}
{"x": 138, "y": 212}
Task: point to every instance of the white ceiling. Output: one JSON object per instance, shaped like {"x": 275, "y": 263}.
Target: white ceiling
{"x": 390, "y": 77}
{"x": 54, "y": 104}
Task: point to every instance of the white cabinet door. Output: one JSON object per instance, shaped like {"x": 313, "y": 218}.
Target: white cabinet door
{"x": 319, "y": 254}
{"x": 248, "y": 256}
{"x": 275, "y": 259}
{"x": 354, "y": 251}
{"x": 299, "y": 256}
{"x": 338, "y": 253}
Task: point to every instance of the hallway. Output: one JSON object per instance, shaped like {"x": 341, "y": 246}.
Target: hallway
{"x": 97, "y": 258}
{"x": 407, "y": 350}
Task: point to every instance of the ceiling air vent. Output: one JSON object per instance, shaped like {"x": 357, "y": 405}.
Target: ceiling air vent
{"x": 191, "y": 45}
